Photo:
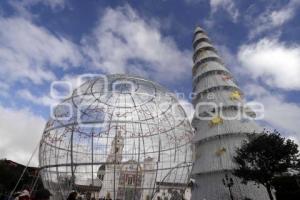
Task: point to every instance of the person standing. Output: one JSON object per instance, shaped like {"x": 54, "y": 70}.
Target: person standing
{"x": 25, "y": 195}
{"x": 43, "y": 194}
{"x": 72, "y": 196}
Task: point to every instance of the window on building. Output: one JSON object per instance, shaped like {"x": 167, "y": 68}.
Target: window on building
{"x": 130, "y": 180}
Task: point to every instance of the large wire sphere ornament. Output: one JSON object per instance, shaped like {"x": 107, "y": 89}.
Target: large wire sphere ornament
{"x": 117, "y": 137}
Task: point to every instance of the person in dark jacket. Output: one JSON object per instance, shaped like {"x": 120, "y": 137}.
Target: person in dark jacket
{"x": 72, "y": 196}
{"x": 43, "y": 194}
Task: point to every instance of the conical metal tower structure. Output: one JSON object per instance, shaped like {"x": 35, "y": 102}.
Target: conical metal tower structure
{"x": 219, "y": 129}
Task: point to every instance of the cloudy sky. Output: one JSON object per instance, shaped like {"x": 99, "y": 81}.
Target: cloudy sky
{"x": 46, "y": 40}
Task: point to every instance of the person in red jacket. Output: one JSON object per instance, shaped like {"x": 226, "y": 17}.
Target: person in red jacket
{"x": 25, "y": 195}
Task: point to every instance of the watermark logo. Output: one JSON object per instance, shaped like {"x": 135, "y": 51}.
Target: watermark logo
{"x": 89, "y": 105}
{"x": 61, "y": 90}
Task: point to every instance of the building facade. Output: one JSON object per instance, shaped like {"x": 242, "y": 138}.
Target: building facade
{"x": 126, "y": 180}
{"x": 111, "y": 176}
{"x": 130, "y": 179}
{"x": 221, "y": 123}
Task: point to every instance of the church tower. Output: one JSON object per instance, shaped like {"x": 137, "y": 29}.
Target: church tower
{"x": 116, "y": 151}
{"x": 221, "y": 123}
{"x": 111, "y": 176}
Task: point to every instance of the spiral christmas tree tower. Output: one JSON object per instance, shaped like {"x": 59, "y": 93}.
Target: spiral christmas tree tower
{"x": 218, "y": 131}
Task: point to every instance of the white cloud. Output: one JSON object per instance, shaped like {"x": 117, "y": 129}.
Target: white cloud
{"x": 54, "y": 4}
{"x": 124, "y": 42}
{"x": 296, "y": 140}
{"x": 39, "y": 100}
{"x": 188, "y": 108}
{"x": 275, "y": 63}
{"x": 279, "y": 17}
{"x": 20, "y": 133}
{"x": 74, "y": 80}
{"x": 219, "y": 5}
{"x": 271, "y": 18}
{"x": 227, "y": 5}
{"x": 4, "y": 89}
{"x": 279, "y": 113}
{"x": 22, "y": 7}
{"x": 27, "y": 51}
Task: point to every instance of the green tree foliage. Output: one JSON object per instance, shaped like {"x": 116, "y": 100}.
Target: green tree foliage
{"x": 265, "y": 156}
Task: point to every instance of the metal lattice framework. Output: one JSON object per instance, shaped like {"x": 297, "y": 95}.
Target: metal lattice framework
{"x": 117, "y": 137}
